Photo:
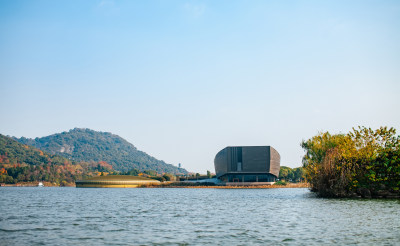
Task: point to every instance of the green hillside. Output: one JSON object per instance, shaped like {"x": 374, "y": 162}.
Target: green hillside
{"x": 87, "y": 145}
{"x": 13, "y": 152}
{"x": 23, "y": 163}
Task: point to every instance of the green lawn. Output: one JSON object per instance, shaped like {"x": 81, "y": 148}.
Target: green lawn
{"x": 118, "y": 178}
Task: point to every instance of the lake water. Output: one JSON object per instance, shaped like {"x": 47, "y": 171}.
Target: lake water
{"x": 167, "y": 216}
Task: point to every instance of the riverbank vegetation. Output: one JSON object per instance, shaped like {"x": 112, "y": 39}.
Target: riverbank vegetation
{"x": 294, "y": 175}
{"x": 362, "y": 162}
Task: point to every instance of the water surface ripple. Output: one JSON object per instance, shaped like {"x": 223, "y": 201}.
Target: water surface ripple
{"x": 70, "y": 216}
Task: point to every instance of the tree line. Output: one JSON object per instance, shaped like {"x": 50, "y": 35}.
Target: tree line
{"x": 294, "y": 175}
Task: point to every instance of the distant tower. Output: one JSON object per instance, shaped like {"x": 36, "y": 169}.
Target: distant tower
{"x": 179, "y": 165}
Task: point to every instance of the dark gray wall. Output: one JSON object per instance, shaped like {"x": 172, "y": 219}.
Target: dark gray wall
{"x": 255, "y": 159}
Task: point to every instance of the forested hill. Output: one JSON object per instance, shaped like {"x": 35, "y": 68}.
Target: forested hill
{"x": 13, "y": 152}
{"x": 87, "y": 145}
{"x": 23, "y": 163}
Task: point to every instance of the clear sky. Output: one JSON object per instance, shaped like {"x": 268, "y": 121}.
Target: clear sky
{"x": 183, "y": 79}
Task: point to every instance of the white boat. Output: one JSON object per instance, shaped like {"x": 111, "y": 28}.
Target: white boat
{"x": 40, "y": 184}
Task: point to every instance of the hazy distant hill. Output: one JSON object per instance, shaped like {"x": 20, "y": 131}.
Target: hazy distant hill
{"x": 87, "y": 145}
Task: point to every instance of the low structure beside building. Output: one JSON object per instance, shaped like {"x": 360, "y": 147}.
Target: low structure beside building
{"x": 115, "y": 181}
{"x": 247, "y": 165}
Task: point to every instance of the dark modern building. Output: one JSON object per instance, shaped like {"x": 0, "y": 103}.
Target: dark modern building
{"x": 247, "y": 164}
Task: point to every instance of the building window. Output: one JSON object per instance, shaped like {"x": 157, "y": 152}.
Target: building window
{"x": 239, "y": 166}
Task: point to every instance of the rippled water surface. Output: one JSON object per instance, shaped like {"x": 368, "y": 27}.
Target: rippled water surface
{"x": 71, "y": 216}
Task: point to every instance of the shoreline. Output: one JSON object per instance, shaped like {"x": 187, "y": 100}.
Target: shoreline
{"x": 35, "y": 184}
{"x": 199, "y": 186}
{"x": 179, "y": 185}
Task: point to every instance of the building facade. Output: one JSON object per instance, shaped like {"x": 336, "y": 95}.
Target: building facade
{"x": 247, "y": 164}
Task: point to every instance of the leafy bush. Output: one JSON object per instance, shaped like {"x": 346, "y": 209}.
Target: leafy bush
{"x": 342, "y": 165}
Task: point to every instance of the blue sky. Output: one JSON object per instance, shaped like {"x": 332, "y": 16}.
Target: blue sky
{"x": 183, "y": 79}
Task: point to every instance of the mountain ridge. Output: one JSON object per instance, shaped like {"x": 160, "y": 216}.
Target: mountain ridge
{"x": 84, "y": 144}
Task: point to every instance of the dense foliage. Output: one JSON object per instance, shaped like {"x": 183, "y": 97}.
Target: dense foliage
{"x": 291, "y": 174}
{"x": 363, "y": 162}
{"x": 88, "y": 145}
{"x": 23, "y": 163}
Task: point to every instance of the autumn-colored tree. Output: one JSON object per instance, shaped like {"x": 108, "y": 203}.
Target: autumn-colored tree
{"x": 343, "y": 164}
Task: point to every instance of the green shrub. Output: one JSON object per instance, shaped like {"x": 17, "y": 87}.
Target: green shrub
{"x": 280, "y": 182}
{"x": 342, "y": 165}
